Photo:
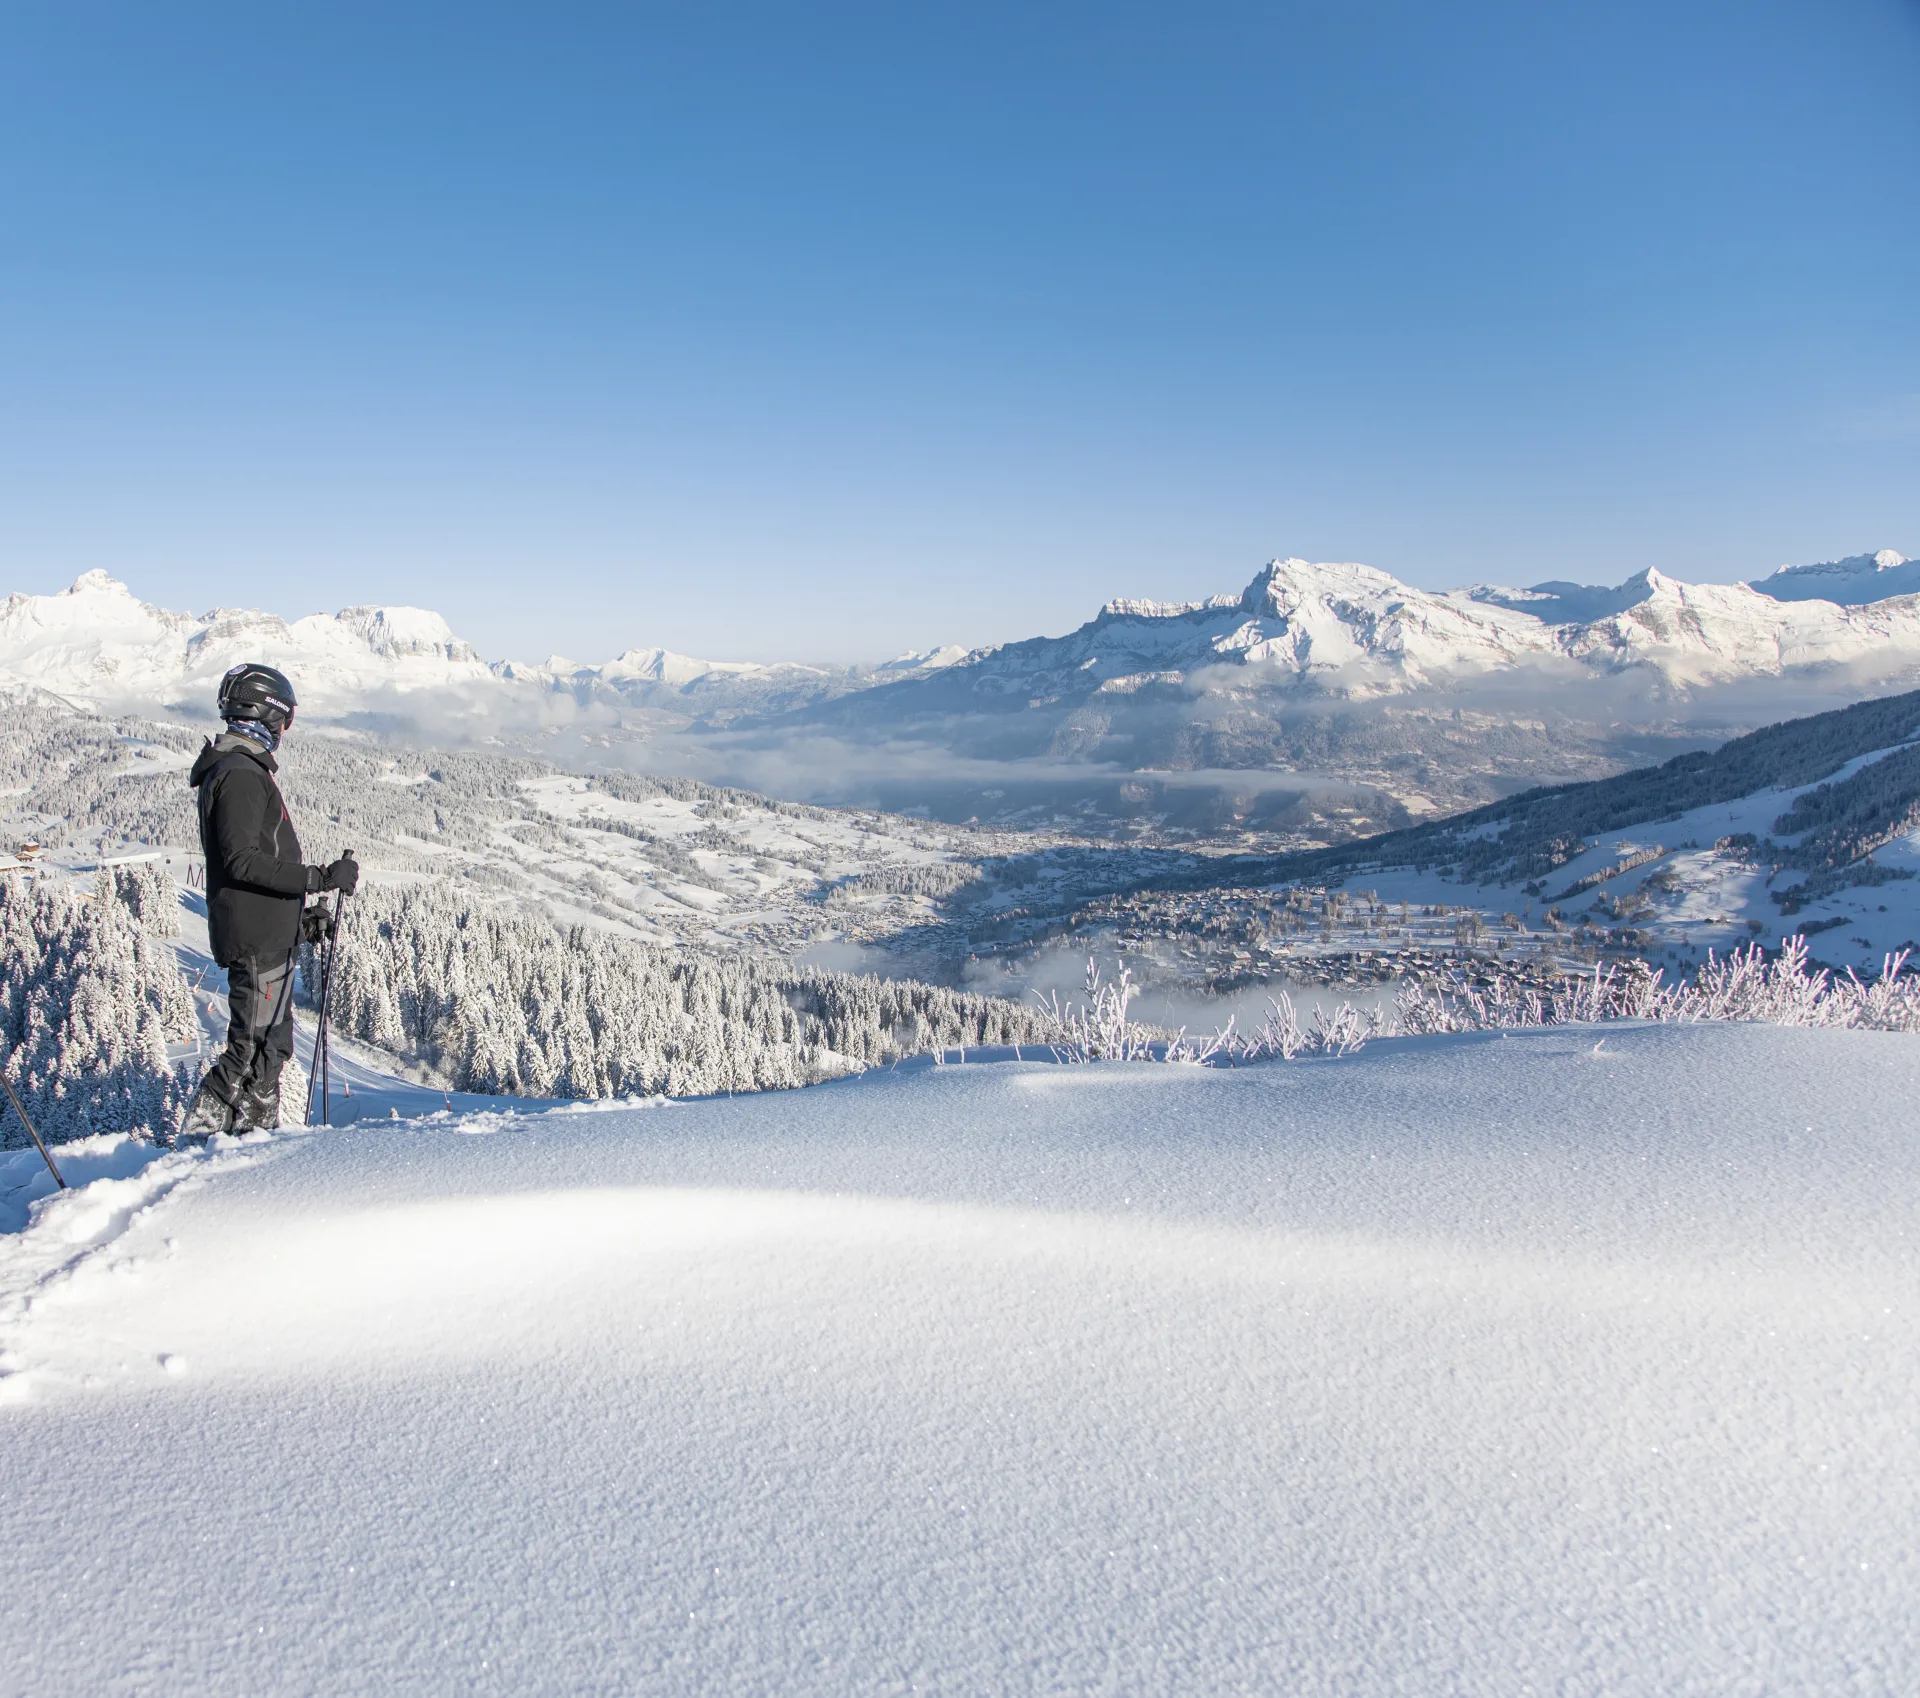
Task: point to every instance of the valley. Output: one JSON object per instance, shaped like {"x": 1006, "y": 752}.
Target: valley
{"x": 1811, "y": 827}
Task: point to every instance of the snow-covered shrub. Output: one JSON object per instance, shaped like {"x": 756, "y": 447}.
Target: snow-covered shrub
{"x": 1280, "y": 1033}
{"x": 89, "y": 1001}
{"x": 1344, "y": 1029}
{"x": 1100, "y": 1029}
{"x": 1336, "y": 1029}
{"x": 1746, "y": 984}
{"x": 1783, "y": 990}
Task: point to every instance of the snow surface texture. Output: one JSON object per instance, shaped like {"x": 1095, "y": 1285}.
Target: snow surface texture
{"x": 1489, "y": 1365}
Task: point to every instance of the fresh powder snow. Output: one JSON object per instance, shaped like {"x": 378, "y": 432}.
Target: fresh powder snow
{"x": 1551, "y": 1361}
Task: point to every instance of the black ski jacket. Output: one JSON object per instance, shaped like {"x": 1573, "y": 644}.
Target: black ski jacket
{"x": 256, "y": 882}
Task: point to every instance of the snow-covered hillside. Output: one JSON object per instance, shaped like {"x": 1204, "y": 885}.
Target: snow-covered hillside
{"x": 1809, "y": 826}
{"x": 1494, "y": 1365}
{"x": 1673, "y": 889}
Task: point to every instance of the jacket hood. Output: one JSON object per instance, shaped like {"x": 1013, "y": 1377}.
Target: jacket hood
{"x": 214, "y": 751}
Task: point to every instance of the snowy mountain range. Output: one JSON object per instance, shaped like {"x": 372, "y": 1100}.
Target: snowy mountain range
{"x": 1342, "y": 674}
{"x": 1340, "y": 629}
{"x": 96, "y": 644}
{"x": 1335, "y": 669}
{"x": 1356, "y": 632}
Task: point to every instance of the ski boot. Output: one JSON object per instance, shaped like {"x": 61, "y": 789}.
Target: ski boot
{"x": 259, "y": 1108}
{"x": 208, "y": 1114}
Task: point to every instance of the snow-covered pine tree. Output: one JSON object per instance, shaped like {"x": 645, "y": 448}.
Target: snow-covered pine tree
{"x": 146, "y": 890}
{"x": 89, "y": 1001}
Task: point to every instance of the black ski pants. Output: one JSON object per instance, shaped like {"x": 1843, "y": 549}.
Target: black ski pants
{"x": 259, "y": 1031}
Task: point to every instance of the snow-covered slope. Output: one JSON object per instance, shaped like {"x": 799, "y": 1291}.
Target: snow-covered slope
{"x": 1506, "y": 1365}
{"x": 1671, "y": 890}
{"x": 1810, "y": 825}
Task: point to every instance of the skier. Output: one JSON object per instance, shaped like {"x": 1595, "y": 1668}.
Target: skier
{"x": 257, "y": 887}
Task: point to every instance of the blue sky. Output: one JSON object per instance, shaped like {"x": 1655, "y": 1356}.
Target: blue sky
{"x": 828, "y": 330}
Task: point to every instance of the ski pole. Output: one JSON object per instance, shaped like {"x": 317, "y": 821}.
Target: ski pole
{"x": 315, "y": 1075}
{"x": 326, "y": 1014}
{"x": 326, "y": 1020}
{"x": 26, "y": 1120}
{"x": 319, "y": 1080}
{"x": 313, "y": 1058}
{"x": 321, "y": 1051}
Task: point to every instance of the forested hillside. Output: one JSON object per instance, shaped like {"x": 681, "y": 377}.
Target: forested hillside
{"x": 90, "y": 998}
{"x": 498, "y": 1001}
{"x": 1531, "y": 834}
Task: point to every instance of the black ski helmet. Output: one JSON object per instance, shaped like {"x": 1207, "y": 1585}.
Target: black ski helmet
{"x": 253, "y": 691}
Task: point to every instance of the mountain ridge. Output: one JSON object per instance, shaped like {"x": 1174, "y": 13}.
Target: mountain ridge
{"x": 1353, "y": 633}
{"x": 1314, "y": 676}
{"x": 1316, "y": 620}
{"x": 97, "y": 644}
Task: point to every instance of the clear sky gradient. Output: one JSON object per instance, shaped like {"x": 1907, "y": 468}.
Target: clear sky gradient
{"x": 832, "y": 330}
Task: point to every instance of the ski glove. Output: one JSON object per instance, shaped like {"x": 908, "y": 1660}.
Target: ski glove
{"x": 343, "y": 876}
{"x": 316, "y": 925}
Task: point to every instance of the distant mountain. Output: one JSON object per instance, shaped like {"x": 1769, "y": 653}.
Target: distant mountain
{"x": 1357, "y": 633}
{"x": 96, "y": 644}
{"x": 1316, "y": 679}
{"x": 1341, "y": 673}
{"x": 713, "y": 693}
{"x": 1852, "y": 582}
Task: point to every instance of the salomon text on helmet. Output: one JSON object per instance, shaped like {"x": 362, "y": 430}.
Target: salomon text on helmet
{"x": 252, "y": 691}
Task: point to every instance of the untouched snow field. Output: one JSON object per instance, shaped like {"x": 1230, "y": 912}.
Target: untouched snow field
{"x": 1501, "y": 1364}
